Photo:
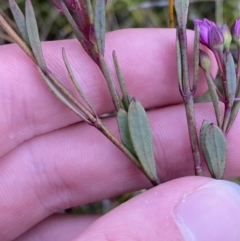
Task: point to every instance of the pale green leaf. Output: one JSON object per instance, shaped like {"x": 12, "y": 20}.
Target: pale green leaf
{"x": 214, "y": 97}
{"x": 61, "y": 97}
{"x": 99, "y": 24}
{"x": 231, "y": 78}
{"x": 203, "y": 129}
{"x": 19, "y": 20}
{"x": 75, "y": 83}
{"x": 179, "y": 63}
{"x": 141, "y": 138}
{"x": 181, "y": 7}
{"x": 214, "y": 150}
{"x": 196, "y": 57}
{"x": 122, "y": 119}
{"x": 32, "y": 31}
{"x": 125, "y": 98}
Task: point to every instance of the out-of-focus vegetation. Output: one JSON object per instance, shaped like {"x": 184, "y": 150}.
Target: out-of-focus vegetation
{"x": 128, "y": 14}
{"x": 123, "y": 14}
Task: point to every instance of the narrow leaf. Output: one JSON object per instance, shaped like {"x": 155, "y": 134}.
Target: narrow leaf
{"x": 196, "y": 58}
{"x": 231, "y": 85}
{"x": 231, "y": 79}
{"x": 61, "y": 97}
{"x": 32, "y": 31}
{"x": 179, "y": 63}
{"x": 19, "y": 20}
{"x": 99, "y": 24}
{"x": 181, "y": 7}
{"x": 75, "y": 83}
{"x": 214, "y": 150}
{"x": 203, "y": 129}
{"x": 115, "y": 98}
{"x": 122, "y": 119}
{"x": 72, "y": 23}
{"x": 125, "y": 98}
{"x": 141, "y": 138}
{"x": 214, "y": 97}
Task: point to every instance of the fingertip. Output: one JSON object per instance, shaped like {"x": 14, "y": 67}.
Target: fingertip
{"x": 191, "y": 208}
{"x": 211, "y": 212}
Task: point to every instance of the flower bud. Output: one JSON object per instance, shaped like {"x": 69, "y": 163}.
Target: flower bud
{"x": 227, "y": 36}
{"x": 204, "y": 26}
{"x": 235, "y": 30}
{"x": 204, "y": 60}
{"x": 215, "y": 38}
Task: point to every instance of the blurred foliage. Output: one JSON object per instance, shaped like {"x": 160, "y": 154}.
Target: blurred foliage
{"x": 129, "y": 14}
{"x": 124, "y": 14}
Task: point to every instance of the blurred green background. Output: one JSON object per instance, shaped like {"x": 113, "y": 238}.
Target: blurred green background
{"x": 123, "y": 14}
{"x": 127, "y": 14}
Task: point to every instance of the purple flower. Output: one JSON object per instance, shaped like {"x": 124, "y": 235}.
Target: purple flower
{"x": 211, "y": 35}
{"x": 235, "y": 30}
{"x": 204, "y": 26}
{"x": 215, "y": 37}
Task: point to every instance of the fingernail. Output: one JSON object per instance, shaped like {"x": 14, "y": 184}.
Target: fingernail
{"x": 211, "y": 212}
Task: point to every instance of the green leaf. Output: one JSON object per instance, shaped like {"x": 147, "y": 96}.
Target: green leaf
{"x": 181, "y": 7}
{"x": 141, "y": 138}
{"x": 214, "y": 97}
{"x": 115, "y": 98}
{"x": 75, "y": 83}
{"x": 19, "y": 20}
{"x": 179, "y": 62}
{"x": 231, "y": 85}
{"x": 196, "y": 57}
{"x": 231, "y": 79}
{"x": 61, "y": 97}
{"x": 99, "y": 24}
{"x": 122, "y": 119}
{"x": 203, "y": 129}
{"x": 214, "y": 149}
{"x": 125, "y": 95}
{"x": 32, "y": 31}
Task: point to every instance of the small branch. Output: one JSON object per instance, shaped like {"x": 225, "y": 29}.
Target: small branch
{"x": 189, "y": 103}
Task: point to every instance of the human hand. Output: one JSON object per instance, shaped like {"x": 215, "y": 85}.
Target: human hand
{"x": 51, "y": 161}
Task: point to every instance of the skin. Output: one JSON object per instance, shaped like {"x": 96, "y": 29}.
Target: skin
{"x": 51, "y": 160}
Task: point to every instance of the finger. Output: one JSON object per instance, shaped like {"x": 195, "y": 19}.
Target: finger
{"x": 60, "y": 227}
{"x": 148, "y": 63}
{"x": 190, "y": 208}
{"x": 52, "y": 172}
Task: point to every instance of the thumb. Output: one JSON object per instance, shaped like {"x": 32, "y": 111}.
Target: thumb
{"x": 190, "y": 208}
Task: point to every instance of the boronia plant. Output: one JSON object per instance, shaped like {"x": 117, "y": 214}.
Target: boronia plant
{"x": 87, "y": 19}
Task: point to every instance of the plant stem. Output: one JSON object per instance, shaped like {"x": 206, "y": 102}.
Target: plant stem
{"x": 102, "y": 128}
{"x": 189, "y": 103}
{"x": 97, "y": 123}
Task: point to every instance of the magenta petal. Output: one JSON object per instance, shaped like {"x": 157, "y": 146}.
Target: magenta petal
{"x": 235, "y": 30}
{"x": 215, "y": 36}
{"x": 204, "y": 26}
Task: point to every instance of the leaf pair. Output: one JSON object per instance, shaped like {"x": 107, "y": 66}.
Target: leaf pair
{"x": 136, "y": 136}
